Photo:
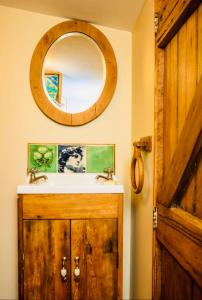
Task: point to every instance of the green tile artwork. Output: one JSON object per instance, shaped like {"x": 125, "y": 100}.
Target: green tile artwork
{"x": 46, "y": 157}
{"x": 43, "y": 157}
{"x": 99, "y": 157}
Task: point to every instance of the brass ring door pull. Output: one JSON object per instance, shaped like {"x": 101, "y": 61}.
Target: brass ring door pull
{"x": 137, "y": 161}
{"x": 145, "y": 144}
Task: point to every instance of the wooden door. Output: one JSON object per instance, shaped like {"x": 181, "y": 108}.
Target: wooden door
{"x": 46, "y": 242}
{"x": 95, "y": 241}
{"x": 178, "y": 151}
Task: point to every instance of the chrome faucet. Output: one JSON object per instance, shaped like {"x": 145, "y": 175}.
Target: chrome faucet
{"x": 33, "y": 178}
{"x": 109, "y": 176}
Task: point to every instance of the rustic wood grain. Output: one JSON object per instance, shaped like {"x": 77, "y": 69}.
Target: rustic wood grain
{"x": 166, "y": 112}
{"x": 95, "y": 243}
{"x": 45, "y": 241}
{"x": 182, "y": 79}
{"x": 173, "y": 108}
{"x": 158, "y": 120}
{"x": 191, "y": 63}
{"x": 78, "y": 248}
{"x": 165, "y": 9}
{"x": 176, "y": 283}
{"x": 20, "y": 250}
{"x": 188, "y": 198}
{"x": 102, "y": 275}
{"x": 120, "y": 249}
{"x": 156, "y": 268}
{"x": 198, "y": 199}
{"x": 197, "y": 292}
{"x": 182, "y": 247}
{"x": 199, "y": 52}
{"x": 186, "y": 151}
{"x": 184, "y": 222}
{"x": 158, "y": 155}
{"x": 182, "y": 9}
{"x": 176, "y": 275}
{"x": 36, "y": 73}
{"x": 75, "y": 206}
{"x": 188, "y": 201}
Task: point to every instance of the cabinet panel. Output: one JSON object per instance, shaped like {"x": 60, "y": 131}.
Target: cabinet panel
{"x": 45, "y": 244}
{"x": 74, "y": 206}
{"x": 94, "y": 241}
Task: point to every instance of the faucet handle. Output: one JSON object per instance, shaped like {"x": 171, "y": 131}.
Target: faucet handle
{"x": 32, "y": 171}
{"x": 109, "y": 172}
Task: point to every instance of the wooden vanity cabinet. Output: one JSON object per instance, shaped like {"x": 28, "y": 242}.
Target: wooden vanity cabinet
{"x": 81, "y": 233}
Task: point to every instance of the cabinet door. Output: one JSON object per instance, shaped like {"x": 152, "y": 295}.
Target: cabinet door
{"x": 46, "y": 242}
{"x": 95, "y": 243}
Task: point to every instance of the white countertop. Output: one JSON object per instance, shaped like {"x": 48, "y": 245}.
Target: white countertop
{"x": 71, "y": 184}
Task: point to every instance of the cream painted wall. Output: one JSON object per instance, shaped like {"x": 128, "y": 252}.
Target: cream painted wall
{"x": 21, "y": 122}
{"x": 143, "y": 125}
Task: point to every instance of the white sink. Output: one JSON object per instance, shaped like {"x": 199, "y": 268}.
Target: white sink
{"x": 70, "y": 184}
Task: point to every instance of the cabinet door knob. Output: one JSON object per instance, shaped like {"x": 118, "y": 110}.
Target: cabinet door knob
{"x": 63, "y": 271}
{"x": 77, "y": 269}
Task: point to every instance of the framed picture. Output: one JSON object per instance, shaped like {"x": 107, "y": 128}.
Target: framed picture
{"x": 53, "y": 82}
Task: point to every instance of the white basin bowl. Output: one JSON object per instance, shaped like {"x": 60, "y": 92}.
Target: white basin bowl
{"x": 70, "y": 184}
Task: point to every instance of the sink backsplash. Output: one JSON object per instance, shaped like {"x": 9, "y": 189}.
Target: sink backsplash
{"x": 71, "y": 158}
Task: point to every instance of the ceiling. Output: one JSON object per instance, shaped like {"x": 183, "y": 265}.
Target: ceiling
{"x": 118, "y": 14}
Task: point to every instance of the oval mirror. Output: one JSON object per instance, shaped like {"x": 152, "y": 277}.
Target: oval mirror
{"x": 73, "y": 73}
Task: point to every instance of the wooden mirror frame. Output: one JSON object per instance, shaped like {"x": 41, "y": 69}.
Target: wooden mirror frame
{"x": 36, "y": 68}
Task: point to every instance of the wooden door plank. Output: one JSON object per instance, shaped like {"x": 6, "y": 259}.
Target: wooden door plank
{"x": 191, "y": 198}
{"x": 165, "y": 9}
{"x": 183, "y": 222}
{"x": 182, "y": 84}
{"x": 197, "y": 292}
{"x": 187, "y": 149}
{"x": 173, "y": 96}
{"x": 191, "y": 59}
{"x": 158, "y": 160}
{"x": 187, "y": 201}
{"x": 182, "y": 248}
{"x": 156, "y": 268}
{"x": 182, "y": 10}
{"x": 198, "y": 200}
{"x": 166, "y": 110}
{"x": 176, "y": 283}
{"x": 45, "y": 242}
{"x": 188, "y": 198}
{"x": 170, "y": 108}
{"x": 159, "y": 109}
{"x": 199, "y": 42}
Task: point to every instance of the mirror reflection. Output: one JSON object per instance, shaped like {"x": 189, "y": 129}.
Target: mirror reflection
{"x": 73, "y": 73}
